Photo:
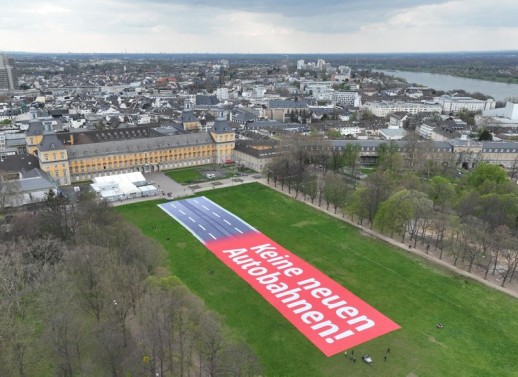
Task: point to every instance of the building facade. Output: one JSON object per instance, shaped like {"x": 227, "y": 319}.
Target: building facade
{"x": 347, "y": 98}
{"x": 384, "y": 108}
{"x": 74, "y": 157}
{"x": 452, "y": 104}
{"x": 279, "y": 110}
{"x": 8, "y": 76}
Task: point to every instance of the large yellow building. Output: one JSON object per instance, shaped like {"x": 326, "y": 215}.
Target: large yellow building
{"x": 33, "y": 136}
{"x": 53, "y": 158}
{"x": 72, "y": 157}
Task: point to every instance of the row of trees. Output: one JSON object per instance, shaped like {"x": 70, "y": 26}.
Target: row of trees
{"x": 82, "y": 293}
{"x": 472, "y": 218}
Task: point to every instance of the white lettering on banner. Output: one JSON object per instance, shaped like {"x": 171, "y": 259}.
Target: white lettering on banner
{"x": 350, "y": 320}
{"x": 330, "y": 316}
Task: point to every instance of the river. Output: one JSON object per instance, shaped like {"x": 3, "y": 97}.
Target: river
{"x": 498, "y": 90}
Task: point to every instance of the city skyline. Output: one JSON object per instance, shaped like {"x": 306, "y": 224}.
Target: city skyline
{"x": 232, "y": 26}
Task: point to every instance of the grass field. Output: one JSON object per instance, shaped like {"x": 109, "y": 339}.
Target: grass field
{"x": 480, "y": 334}
{"x": 196, "y": 174}
{"x": 185, "y": 176}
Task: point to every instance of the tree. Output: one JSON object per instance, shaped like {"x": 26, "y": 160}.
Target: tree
{"x": 112, "y": 351}
{"x": 441, "y": 191}
{"x": 497, "y": 209}
{"x": 87, "y": 266}
{"x": 65, "y": 331}
{"x": 352, "y": 158}
{"x": 9, "y": 193}
{"x": 413, "y": 150}
{"x": 335, "y": 190}
{"x": 75, "y": 300}
{"x": 376, "y": 189}
{"x": 510, "y": 258}
{"x": 334, "y": 134}
{"x": 438, "y": 228}
{"x": 403, "y": 213}
{"x": 240, "y": 361}
{"x": 484, "y": 135}
{"x": 486, "y": 174}
{"x": 337, "y": 158}
{"x": 310, "y": 186}
{"x": 155, "y": 332}
{"x": 478, "y": 246}
{"x": 498, "y": 244}
{"x": 389, "y": 157}
{"x": 22, "y": 280}
{"x": 455, "y": 238}
{"x": 514, "y": 169}
{"x": 58, "y": 216}
{"x": 118, "y": 282}
{"x": 367, "y": 115}
{"x": 468, "y": 116}
{"x": 212, "y": 341}
{"x": 393, "y": 215}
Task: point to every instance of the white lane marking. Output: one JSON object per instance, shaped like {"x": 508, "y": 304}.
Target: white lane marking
{"x": 195, "y": 201}
{"x": 190, "y": 218}
{"x": 182, "y": 212}
{"x": 238, "y": 230}
{"x": 201, "y": 226}
{"x": 215, "y": 214}
{"x": 172, "y": 205}
{"x": 226, "y": 221}
{"x": 210, "y": 234}
{"x": 205, "y": 207}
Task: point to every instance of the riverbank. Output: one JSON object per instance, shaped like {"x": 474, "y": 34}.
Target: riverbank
{"x": 453, "y": 73}
{"x": 497, "y": 90}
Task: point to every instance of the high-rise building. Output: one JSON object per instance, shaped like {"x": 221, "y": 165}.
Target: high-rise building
{"x": 8, "y": 77}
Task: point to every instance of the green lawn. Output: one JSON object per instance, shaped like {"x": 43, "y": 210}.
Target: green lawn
{"x": 367, "y": 170}
{"x": 480, "y": 334}
{"x": 187, "y": 175}
{"x": 195, "y": 174}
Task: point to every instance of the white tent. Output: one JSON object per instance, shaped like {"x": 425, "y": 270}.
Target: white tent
{"x": 123, "y": 186}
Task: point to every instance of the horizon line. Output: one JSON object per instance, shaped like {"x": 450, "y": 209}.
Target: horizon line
{"x": 257, "y": 53}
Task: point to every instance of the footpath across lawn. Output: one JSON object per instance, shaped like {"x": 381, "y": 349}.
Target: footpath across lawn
{"x": 480, "y": 330}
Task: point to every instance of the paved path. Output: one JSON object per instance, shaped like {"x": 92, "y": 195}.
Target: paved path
{"x": 167, "y": 186}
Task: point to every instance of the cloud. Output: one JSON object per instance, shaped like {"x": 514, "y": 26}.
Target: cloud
{"x": 454, "y": 14}
{"x": 296, "y": 8}
{"x": 257, "y": 26}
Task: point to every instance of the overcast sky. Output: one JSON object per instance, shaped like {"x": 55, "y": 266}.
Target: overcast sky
{"x": 258, "y": 26}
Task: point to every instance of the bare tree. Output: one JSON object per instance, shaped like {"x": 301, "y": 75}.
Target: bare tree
{"x": 87, "y": 266}
{"x": 377, "y": 189}
{"x": 212, "y": 341}
{"x": 510, "y": 258}
{"x": 478, "y": 230}
{"x": 10, "y": 194}
{"x": 65, "y": 333}
{"x": 113, "y": 353}
{"x": 514, "y": 169}
{"x": 390, "y": 158}
{"x": 240, "y": 361}
{"x": 155, "y": 333}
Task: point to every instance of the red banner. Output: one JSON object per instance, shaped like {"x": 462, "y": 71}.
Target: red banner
{"x": 329, "y": 315}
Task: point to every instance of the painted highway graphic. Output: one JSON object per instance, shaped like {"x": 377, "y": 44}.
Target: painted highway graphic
{"x": 206, "y": 220}
{"x": 330, "y": 316}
